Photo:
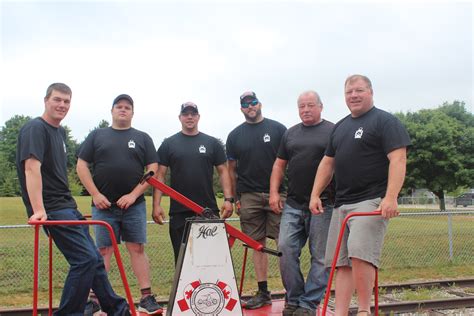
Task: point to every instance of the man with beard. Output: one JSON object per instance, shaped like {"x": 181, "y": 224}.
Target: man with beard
{"x": 251, "y": 151}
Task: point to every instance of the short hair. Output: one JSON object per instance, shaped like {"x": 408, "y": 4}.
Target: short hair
{"x": 318, "y": 98}
{"x": 58, "y": 86}
{"x": 353, "y": 78}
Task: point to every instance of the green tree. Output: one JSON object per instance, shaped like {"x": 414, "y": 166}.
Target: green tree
{"x": 9, "y": 136}
{"x": 441, "y": 157}
{"x": 102, "y": 124}
{"x": 9, "y": 185}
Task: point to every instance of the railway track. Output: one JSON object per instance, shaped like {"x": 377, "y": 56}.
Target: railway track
{"x": 459, "y": 300}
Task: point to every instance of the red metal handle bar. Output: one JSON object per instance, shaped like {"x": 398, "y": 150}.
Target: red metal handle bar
{"x": 244, "y": 264}
{"x": 231, "y": 230}
{"x": 336, "y": 256}
{"x": 50, "y": 275}
{"x": 77, "y": 223}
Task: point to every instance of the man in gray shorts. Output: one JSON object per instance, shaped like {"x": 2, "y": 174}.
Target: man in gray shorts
{"x": 367, "y": 154}
{"x": 118, "y": 156}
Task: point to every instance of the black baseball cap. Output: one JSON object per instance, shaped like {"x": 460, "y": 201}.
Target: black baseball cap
{"x": 123, "y": 97}
{"x": 189, "y": 105}
{"x": 248, "y": 97}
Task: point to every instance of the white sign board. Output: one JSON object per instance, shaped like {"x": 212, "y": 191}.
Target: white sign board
{"x": 206, "y": 284}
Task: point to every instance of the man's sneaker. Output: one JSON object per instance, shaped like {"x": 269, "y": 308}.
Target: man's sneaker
{"x": 301, "y": 311}
{"x": 289, "y": 310}
{"x": 149, "y": 305}
{"x": 92, "y": 307}
{"x": 260, "y": 299}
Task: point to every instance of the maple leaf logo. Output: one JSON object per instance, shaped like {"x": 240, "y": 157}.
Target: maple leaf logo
{"x": 226, "y": 294}
{"x": 188, "y": 294}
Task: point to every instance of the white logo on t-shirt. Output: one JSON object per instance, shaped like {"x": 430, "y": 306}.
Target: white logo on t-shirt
{"x": 202, "y": 149}
{"x": 359, "y": 132}
{"x": 266, "y": 138}
{"x": 131, "y": 143}
{"x": 64, "y": 145}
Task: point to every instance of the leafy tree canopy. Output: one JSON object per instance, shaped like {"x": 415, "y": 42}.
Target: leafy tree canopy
{"x": 442, "y": 154}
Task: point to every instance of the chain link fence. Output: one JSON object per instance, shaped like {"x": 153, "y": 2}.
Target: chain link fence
{"x": 414, "y": 239}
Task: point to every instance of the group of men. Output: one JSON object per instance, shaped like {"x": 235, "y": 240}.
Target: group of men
{"x": 365, "y": 151}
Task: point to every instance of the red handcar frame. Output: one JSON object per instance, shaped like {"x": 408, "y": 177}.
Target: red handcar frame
{"x": 336, "y": 256}
{"x": 118, "y": 258}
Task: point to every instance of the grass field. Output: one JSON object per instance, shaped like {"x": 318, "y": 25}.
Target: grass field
{"x": 416, "y": 248}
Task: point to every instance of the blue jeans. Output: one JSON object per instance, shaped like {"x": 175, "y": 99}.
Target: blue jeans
{"x": 129, "y": 225}
{"x": 296, "y": 227}
{"x": 86, "y": 269}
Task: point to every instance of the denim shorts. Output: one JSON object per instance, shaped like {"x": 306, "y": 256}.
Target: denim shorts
{"x": 363, "y": 236}
{"x": 129, "y": 225}
{"x": 257, "y": 218}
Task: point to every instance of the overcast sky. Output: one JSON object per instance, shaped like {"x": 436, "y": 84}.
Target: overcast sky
{"x": 418, "y": 55}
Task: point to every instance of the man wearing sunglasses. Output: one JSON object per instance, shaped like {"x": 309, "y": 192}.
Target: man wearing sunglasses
{"x": 251, "y": 151}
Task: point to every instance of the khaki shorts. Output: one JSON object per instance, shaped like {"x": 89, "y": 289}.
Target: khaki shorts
{"x": 257, "y": 218}
{"x": 363, "y": 236}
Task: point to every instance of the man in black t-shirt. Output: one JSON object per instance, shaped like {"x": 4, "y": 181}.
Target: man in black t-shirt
{"x": 367, "y": 154}
{"x": 301, "y": 149}
{"x": 118, "y": 156}
{"x": 251, "y": 150}
{"x": 191, "y": 156}
{"x": 41, "y": 162}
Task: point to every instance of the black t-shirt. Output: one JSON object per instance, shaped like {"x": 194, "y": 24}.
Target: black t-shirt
{"x": 46, "y": 143}
{"x": 191, "y": 160}
{"x": 360, "y": 146}
{"x": 303, "y": 147}
{"x": 118, "y": 159}
{"x": 254, "y": 147}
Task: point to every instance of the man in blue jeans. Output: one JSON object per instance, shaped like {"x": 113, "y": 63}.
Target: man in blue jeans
{"x": 41, "y": 163}
{"x": 301, "y": 149}
{"x": 118, "y": 155}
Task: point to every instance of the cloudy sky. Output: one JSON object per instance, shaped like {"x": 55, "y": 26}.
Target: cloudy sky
{"x": 165, "y": 53}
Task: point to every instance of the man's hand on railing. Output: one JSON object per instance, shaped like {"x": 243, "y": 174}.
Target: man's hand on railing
{"x": 39, "y": 216}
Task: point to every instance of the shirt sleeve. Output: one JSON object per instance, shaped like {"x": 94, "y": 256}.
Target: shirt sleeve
{"x": 394, "y": 135}
{"x": 150, "y": 151}
{"x": 219, "y": 156}
{"x": 32, "y": 142}
{"x": 330, "y": 152}
{"x": 86, "y": 150}
{"x": 229, "y": 147}
{"x": 282, "y": 150}
{"x": 163, "y": 153}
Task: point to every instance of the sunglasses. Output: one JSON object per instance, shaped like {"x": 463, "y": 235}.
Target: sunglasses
{"x": 247, "y": 104}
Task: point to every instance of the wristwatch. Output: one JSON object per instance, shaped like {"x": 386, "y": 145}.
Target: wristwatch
{"x": 229, "y": 199}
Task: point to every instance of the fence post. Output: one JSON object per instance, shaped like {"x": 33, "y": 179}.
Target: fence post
{"x": 450, "y": 236}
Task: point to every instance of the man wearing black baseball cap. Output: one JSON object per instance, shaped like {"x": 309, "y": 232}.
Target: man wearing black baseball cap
{"x": 191, "y": 155}
{"x": 119, "y": 154}
{"x": 123, "y": 97}
{"x": 253, "y": 146}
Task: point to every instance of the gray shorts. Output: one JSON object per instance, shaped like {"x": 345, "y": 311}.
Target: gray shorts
{"x": 257, "y": 218}
{"x": 363, "y": 236}
{"x": 128, "y": 225}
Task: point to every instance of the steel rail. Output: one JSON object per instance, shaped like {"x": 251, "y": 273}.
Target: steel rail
{"x": 423, "y": 305}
